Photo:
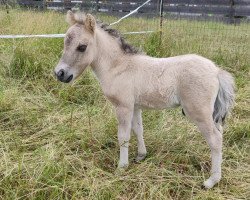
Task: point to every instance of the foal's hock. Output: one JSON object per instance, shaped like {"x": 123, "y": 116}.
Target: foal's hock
{"x": 133, "y": 81}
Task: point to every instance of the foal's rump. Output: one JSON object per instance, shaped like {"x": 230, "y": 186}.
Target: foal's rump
{"x": 198, "y": 86}
{"x": 205, "y": 89}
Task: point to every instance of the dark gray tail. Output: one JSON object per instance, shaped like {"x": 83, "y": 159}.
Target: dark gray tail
{"x": 225, "y": 98}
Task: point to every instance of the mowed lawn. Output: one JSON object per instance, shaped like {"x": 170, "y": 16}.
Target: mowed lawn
{"x": 59, "y": 141}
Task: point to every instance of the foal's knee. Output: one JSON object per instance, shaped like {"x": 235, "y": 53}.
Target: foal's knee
{"x": 123, "y": 139}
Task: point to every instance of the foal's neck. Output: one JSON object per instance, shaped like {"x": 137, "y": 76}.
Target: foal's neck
{"x": 109, "y": 54}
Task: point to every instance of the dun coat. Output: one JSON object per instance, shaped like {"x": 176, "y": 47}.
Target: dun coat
{"x": 133, "y": 81}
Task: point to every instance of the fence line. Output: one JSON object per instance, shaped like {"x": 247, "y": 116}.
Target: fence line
{"x": 60, "y": 35}
{"x": 32, "y": 36}
{"x": 229, "y": 10}
{"x": 63, "y": 35}
{"x": 177, "y": 22}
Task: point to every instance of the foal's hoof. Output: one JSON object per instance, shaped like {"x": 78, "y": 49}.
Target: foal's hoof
{"x": 120, "y": 171}
{"x": 213, "y": 179}
{"x": 208, "y": 184}
{"x": 140, "y": 157}
{"x": 122, "y": 165}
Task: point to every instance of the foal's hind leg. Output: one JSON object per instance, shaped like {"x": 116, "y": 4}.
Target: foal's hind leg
{"x": 138, "y": 130}
{"x": 202, "y": 117}
{"x": 214, "y": 139}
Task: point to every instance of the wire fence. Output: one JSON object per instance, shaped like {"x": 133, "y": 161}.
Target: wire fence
{"x": 199, "y": 21}
{"x": 230, "y": 11}
{"x": 221, "y": 26}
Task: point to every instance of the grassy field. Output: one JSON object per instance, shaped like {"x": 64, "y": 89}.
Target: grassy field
{"x": 59, "y": 141}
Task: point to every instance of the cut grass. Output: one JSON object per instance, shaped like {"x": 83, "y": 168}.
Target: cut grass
{"x": 59, "y": 141}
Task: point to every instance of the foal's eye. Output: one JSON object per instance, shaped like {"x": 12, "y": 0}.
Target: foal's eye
{"x": 81, "y": 47}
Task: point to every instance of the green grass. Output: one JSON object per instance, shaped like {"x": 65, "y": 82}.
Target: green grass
{"x": 59, "y": 141}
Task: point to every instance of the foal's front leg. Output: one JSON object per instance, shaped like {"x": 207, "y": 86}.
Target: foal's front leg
{"x": 124, "y": 116}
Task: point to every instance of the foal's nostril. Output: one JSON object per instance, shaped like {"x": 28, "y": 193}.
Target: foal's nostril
{"x": 63, "y": 76}
{"x": 60, "y": 74}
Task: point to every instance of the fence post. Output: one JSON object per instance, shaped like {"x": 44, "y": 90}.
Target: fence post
{"x": 161, "y": 20}
{"x": 66, "y": 4}
{"x": 44, "y": 7}
{"x": 232, "y": 12}
{"x": 97, "y": 6}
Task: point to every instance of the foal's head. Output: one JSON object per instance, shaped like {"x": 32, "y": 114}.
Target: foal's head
{"x": 79, "y": 47}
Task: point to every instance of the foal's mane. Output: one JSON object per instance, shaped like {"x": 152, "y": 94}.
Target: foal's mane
{"x": 127, "y": 48}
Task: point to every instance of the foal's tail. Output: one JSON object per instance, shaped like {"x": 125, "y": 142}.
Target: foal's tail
{"x": 225, "y": 97}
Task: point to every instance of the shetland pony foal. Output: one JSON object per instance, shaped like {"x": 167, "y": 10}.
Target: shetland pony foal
{"x": 132, "y": 81}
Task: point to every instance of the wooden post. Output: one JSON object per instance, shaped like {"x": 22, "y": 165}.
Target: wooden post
{"x": 161, "y": 20}
{"x": 232, "y": 12}
{"x": 67, "y": 5}
{"x": 44, "y": 7}
{"x": 97, "y": 6}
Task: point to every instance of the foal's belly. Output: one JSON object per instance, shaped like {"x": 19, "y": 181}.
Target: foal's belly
{"x": 157, "y": 100}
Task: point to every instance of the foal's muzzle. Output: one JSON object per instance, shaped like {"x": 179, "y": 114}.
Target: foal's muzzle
{"x": 63, "y": 77}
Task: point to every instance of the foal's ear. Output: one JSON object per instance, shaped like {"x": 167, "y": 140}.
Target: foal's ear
{"x": 90, "y": 23}
{"x": 70, "y": 18}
